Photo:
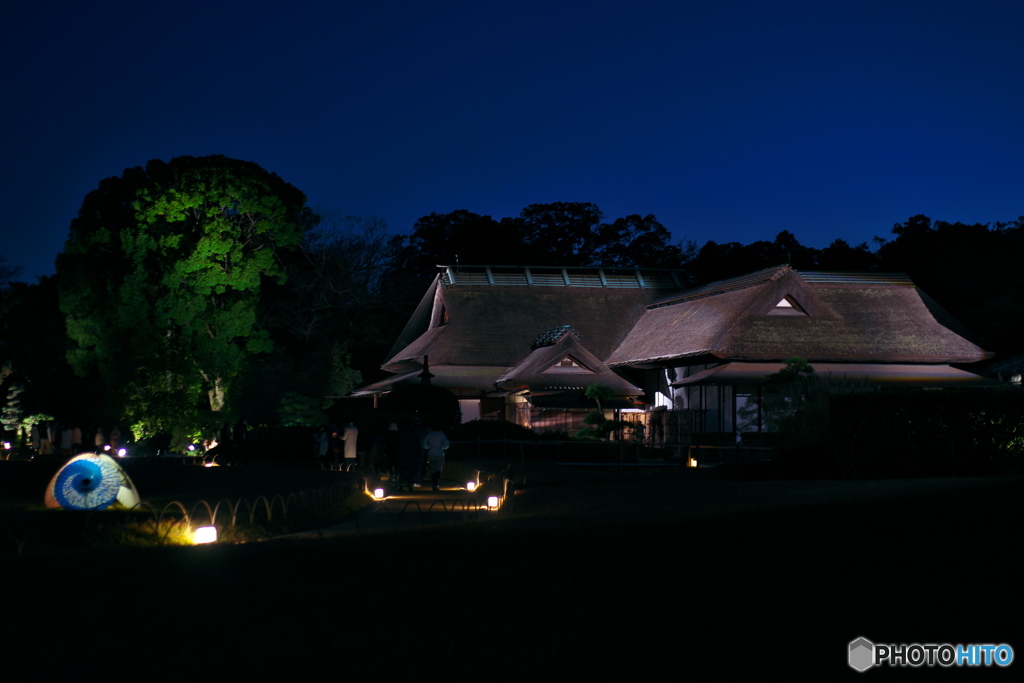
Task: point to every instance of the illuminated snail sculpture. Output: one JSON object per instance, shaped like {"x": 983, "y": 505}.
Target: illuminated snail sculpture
{"x": 91, "y": 481}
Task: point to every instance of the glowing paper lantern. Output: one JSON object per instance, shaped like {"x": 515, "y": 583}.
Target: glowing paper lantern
{"x": 91, "y": 481}
{"x": 471, "y": 486}
{"x": 492, "y": 503}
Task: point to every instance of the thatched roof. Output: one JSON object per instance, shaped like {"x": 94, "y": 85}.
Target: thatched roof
{"x": 479, "y": 323}
{"x": 884, "y": 374}
{"x": 563, "y": 365}
{"x": 479, "y": 378}
{"x": 480, "y": 326}
{"x": 829, "y": 317}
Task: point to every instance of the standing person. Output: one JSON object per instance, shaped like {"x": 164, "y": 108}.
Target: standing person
{"x": 76, "y": 440}
{"x": 46, "y": 439}
{"x": 378, "y": 455}
{"x": 391, "y": 451}
{"x": 115, "y": 438}
{"x": 421, "y": 463}
{"x": 435, "y": 443}
{"x": 224, "y": 439}
{"x": 99, "y": 440}
{"x": 240, "y": 440}
{"x": 65, "y": 440}
{"x": 350, "y": 436}
{"x": 408, "y": 447}
{"x": 335, "y": 445}
{"x": 321, "y": 443}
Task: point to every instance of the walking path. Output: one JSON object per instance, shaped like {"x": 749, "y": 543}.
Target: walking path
{"x": 397, "y": 510}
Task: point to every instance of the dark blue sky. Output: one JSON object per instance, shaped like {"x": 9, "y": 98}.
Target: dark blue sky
{"x": 728, "y": 121}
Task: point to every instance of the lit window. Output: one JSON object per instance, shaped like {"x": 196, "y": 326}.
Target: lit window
{"x": 788, "y": 306}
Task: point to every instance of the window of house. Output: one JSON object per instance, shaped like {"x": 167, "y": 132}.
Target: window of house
{"x": 569, "y": 364}
{"x": 788, "y": 306}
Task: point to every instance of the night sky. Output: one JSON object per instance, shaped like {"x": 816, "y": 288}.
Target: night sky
{"x": 729, "y": 121}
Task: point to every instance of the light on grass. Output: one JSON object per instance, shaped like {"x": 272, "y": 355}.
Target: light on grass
{"x": 205, "y": 534}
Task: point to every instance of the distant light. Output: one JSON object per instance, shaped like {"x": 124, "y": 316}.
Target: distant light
{"x": 106, "y": 447}
{"x": 492, "y": 503}
{"x": 378, "y": 494}
{"x": 205, "y": 534}
{"x": 692, "y": 462}
{"x": 471, "y": 486}
{"x": 1015, "y": 379}
{"x": 191, "y": 447}
{"x": 7, "y": 445}
{"x": 210, "y": 464}
{"x": 121, "y": 452}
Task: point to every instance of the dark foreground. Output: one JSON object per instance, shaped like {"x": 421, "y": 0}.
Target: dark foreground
{"x": 550, "y": 589}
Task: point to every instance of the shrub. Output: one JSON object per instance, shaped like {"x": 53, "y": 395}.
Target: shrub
{"x": 929, "y": 433}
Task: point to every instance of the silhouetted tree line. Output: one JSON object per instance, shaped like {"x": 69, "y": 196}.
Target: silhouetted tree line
{"x": 331, "y": 302}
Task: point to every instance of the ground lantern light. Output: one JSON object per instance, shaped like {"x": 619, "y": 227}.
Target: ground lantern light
{"x": 205, "y": 534}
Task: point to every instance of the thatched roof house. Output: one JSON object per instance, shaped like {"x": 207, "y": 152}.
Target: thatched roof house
{"x": 779, "y": 313}
{"x": 537, "y": 337}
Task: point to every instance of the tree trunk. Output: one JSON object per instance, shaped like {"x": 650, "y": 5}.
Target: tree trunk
{"x": 216, "y": 395}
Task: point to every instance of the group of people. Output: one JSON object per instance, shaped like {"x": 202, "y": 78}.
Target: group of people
{"x": 404, "y": 454}
{"x": 50, "y": 438}
{"x": 412, "y": 451}
{"x": 337, "y": 447}
{"x": 231, "y": 441}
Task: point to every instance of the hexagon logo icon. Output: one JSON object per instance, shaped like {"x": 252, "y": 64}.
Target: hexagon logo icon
{"x": 862, "y": 654}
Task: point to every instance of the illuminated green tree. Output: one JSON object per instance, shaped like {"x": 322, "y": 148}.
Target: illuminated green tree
{"x": 161, "y": 280}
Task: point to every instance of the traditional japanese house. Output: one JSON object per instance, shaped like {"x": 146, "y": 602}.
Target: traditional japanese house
{"x": 524, "y": 343}
{"x": 710, "y": 350}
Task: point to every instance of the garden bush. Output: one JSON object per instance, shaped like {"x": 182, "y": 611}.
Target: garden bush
{"x": 928, "y": 433}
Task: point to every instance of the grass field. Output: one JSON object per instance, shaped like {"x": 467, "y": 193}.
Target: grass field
{"x": 587, "y": 574}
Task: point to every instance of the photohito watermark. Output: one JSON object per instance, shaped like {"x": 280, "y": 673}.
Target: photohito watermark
{"x": 863, "y": 654}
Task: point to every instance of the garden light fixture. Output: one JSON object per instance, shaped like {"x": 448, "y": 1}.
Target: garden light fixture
{"x": 205, "y": 534}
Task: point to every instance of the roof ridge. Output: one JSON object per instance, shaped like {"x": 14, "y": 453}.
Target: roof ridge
{"x": 730, "y": 284}
{"x": 834, "y": 277}
{"x": 605, "y": 277}
{"x": 553, "y": 335}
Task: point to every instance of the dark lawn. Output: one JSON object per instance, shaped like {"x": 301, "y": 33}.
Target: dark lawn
{"x": 677, "y": 575}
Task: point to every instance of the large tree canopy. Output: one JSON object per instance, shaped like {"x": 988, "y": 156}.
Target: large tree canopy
{"x": 971, "y": 269}
{"x": 161, "y": 280}
{"x": 555, "y": 234}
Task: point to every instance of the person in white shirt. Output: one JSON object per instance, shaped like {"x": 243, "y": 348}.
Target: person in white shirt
{"x": 435, "y": 443}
